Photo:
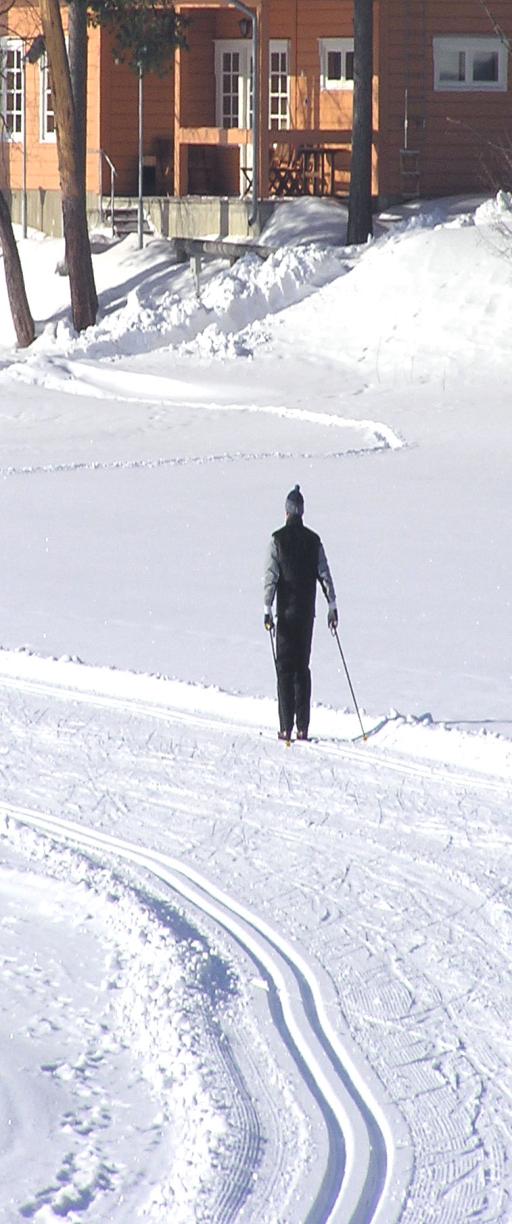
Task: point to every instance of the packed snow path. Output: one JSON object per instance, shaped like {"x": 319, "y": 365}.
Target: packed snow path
{"x": 382, "y": 880}
{"x": 350, "y": 1187}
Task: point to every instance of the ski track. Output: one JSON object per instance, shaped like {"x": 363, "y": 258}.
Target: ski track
{"x": 82, "y": 378}
{"x": 351, "y": 1188}
{"x": 215, "y": 790}
{"x": 187, "y": 460}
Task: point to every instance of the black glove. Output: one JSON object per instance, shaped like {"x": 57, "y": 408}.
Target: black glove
{"x": 269, "y": 622}
{"x": 332, "y": 619}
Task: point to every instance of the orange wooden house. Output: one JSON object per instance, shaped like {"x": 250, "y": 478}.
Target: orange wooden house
{"x": 443, "y": 107}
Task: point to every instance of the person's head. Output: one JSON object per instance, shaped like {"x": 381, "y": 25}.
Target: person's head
{"x": 294, "y": 505}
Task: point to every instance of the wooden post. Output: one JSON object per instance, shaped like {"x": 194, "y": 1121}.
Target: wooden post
{"x": 180, "y": 151}
{"x": 181, "y": 170}
{"x": 264, "y": 149}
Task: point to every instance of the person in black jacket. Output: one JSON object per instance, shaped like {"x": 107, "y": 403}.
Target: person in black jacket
{"x": 296, "y": 560}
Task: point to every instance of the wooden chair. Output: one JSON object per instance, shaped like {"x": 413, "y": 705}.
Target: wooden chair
{"x": 286, "y": 171}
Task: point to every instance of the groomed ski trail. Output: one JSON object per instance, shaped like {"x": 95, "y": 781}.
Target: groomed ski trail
{"x": 352, "y": 749}
{"x": 359, "y": 1170}
{"x": 383, "y": 870}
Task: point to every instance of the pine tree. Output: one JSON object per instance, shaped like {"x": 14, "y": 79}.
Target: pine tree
{"x": 146, "y": 33}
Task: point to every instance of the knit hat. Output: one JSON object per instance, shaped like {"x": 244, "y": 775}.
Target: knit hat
{"x": 295, "y": 502}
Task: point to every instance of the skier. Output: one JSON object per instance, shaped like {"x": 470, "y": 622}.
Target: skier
{"x": 295, "y": 561}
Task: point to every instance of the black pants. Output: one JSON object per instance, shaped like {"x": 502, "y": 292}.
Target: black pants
{"x": 293, "y": 648}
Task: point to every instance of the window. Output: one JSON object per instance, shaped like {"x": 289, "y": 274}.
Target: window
{"x": 233, "y": 71}
{"x": 11, "y": 89}
{"x": 234, "y": 76}
{"x": 336, "y": 63}
{"x": 230, "y": 94}
{"x": 470, "y": 63}
{"x": 279, "y": 101}
{"x": 47, "y": 114}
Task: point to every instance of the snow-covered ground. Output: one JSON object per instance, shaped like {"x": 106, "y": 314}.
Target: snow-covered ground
{"x": 242, "y": 982}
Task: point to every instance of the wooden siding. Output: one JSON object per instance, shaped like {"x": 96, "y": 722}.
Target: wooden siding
{"x": 315, "y": 114}
{"x": 454, "y": 132}
{"x": 311, "y": 106}
{"x": 197, "y": 93}
{"x": 119, "y": 124}
{"x": 457, "y": 135}
{"x": 21, "y": 22}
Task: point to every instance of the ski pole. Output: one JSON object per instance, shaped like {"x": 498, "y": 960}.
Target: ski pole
{"x": 334, "y": 632}
{"x": 271, "y": 633}
{"x": 271, "y": 636}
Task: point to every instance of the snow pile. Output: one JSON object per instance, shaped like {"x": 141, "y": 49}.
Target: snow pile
{"x": 496, "y": 210}
{"x": 257, "y": 290}
{"x": 157, "y": 312}
{"x": 414, "y": 306}
{"x": 306, "y": 220}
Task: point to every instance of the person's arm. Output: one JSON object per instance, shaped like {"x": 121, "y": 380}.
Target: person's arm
{"x": 270, "y": 579}
{"x": 326, "y": 582}
{"x": 325, "y": 579}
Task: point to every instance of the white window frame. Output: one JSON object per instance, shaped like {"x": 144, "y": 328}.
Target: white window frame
{"x": 342, "y": 46}
{"x": 46, "y": 104}
{"x": 469, "y": 45}
{"x": 279, "y": 46}
{"x": 243, "y": 47}
{"x": 12, "y": 134}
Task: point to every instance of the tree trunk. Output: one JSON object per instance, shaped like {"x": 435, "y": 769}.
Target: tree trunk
{"x": 77, "y": 53}
{"x": 20, "y": 310}
{"x": 84, "y": 302}
{"x": 360, "y": 224}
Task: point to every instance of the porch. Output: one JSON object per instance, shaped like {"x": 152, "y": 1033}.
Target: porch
{"x": 215, "y": 161}
{"x": 192, "y": 216}
{"x": 199, "y": 122}
{"x": 214, "y": 153}
{"x": 238, "y": 121}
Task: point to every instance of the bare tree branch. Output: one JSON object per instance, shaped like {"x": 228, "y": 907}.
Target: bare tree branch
{"x": 500, "y": 33}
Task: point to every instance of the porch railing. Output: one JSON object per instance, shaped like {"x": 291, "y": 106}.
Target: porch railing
{"x": 104, "y": 157}
{"x": 306, "y": 170}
